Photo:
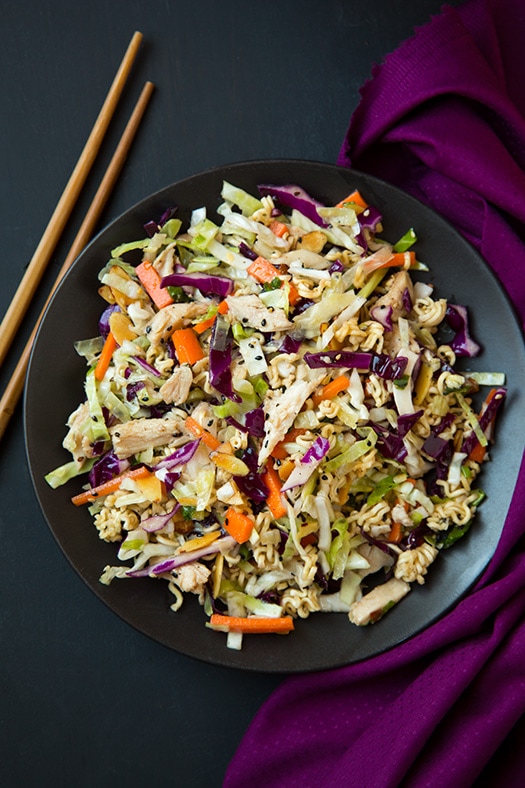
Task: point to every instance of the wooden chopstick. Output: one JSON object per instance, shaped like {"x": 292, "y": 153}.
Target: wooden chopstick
{"x": 53, "y": 231}
{"x": 15, "y": 386}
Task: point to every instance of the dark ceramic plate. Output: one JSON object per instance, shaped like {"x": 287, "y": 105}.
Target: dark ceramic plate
{"x": 55, "y": 387}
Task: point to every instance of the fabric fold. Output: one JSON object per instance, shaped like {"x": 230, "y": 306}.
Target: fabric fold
{"x": 443, "y": 117}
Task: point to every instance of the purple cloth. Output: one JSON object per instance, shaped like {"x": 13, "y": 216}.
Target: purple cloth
{"x": 443, "y": 118}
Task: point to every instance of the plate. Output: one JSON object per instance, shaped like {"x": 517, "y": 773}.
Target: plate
{"x": 55, "y": 387}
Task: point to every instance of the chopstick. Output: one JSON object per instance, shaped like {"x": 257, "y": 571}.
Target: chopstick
{"x": 15, "y": 386}
{"x": 53, "y": 231}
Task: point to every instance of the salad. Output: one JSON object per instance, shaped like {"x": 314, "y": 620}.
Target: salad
{"x": 273, "y": 419}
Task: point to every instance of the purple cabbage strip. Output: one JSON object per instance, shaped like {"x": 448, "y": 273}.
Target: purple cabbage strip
{"x": 462, "y": 344}
{"x": 147, "y": 366}
{"x": 132, "y": 389}
{"x": 407, "y": 301}
{"x": 389, "y": 444}
{"x": 485, "y": 419}
{"x": 293, "y": 196}
{"x": 103, "y": 322}
{"x": 180, "y": 456}
{"x": 158, "y": 521}
{"x": 220, "y": 357}
{"x": 319, "y": 448}
{"x": 379, "y": 363}
{"x": 252, "y": 485}
{"x": 106, "y": 468}
{"x": 337, "y": 267}
{"x": 169, "y": 564}
{"x": 254, "y": 422}
{"x": 406, "y": 422}
{"x": 245, "y": 250}
{"x": 383, "y": 314}
{"x": 290, "y": 344}
{"x": 369, "y": 218}
{"x": 153, "y": 227}
{"x": 206, "y": 283}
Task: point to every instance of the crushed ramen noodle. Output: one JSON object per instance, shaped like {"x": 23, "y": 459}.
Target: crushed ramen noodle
{"x": 272, "y": 420}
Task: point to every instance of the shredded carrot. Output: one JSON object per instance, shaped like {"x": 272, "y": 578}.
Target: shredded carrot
{"x": 187, "y": 346}
{"x": 395, "y": 535}
{"x": 206, "y": 437}
{"x": 293, "y": 294}
{"x": 279, "y": 451}
{"x": 355, "y": 198}
{"x": 201, "y": 327}
{"x": 150, "y": 280}
{"x": 238, "y": 525}
{"x": 110, "y": 344}
{"x": 110, "y": 486}
{"x": 255, "y": 624}
{"x": 262, "y": 270}
{"x": 274, "y": 499}
{"x": 478, "y": 451}
{"x": 278, "y": 228}
{"x": 331, "y": 389}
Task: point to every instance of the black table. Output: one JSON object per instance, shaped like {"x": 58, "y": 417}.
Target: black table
{"x": 86, "y": 700}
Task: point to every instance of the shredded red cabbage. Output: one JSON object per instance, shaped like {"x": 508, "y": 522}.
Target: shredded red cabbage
{"x": 158, "y": 521}
{"x": 180, "y": 456}
{"x": 290, "y": 344}
{"x": 168, "y": 565}
{"x": 389, "y": 444}
{"x": 462, "y": 344}
{"x": 206, "y": 283}
{"x": 220, "y": 357}
{"x": 147, "y": 366}
{"x": 406, "y": 422}
{"x": 486, "y": 417}
{"x": 106, "y": 468}
{"x": 252, "y": 485}
{"x": 383, "y": 314}
{"x": 317, "y": 450}
{"x": 103, "y": 322}
{"x": 295, "y": 197}
{"x": 379, "y": 363}
{"x": 245, "y": 250}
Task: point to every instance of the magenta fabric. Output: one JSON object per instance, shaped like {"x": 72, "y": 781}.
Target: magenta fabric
{"x": 443, "y": 118}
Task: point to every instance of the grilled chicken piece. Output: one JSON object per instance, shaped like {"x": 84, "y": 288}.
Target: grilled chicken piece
{"x": 250, "y": 311}
{"x": 172, "y": 317}
{"x": 394, "y": 295}
{"x": 140, "y": 434}
{"x": 373, "y": 605}
{"x": 176, "y": 389}
{"x": 280, "y": 413}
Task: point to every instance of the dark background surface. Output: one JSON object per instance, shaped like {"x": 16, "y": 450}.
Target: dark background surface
{"x": 84, "y": 699}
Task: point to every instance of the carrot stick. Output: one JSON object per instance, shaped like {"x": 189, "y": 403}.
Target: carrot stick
{"x": 356, "y": 198}
{"x": 238, "y": 525}
{"x": 478, "y": 451}
{"x": 279, "y": 451}
{"x": 187, "y": 346}
{"x": 150, "y": 280}
{"x": 331, "y": 389}
{"x": 103, "y": 362}
{"x": 254, "y": 624}
{"x": 109, "y": 487}
{"x": 278, "y": 228}
{"x": 262, "y": 270}
{"x": 293, "y": 294}
{"x": 274, "y": 499}
{"x": 201, "y": 327}
{"x": 395, "y": 534}
{"x": 206, "y": 437}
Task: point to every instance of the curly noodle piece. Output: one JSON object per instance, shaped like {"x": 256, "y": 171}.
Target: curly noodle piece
{"x": 301, "y": 602}
{"x": 412, "y": 565}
